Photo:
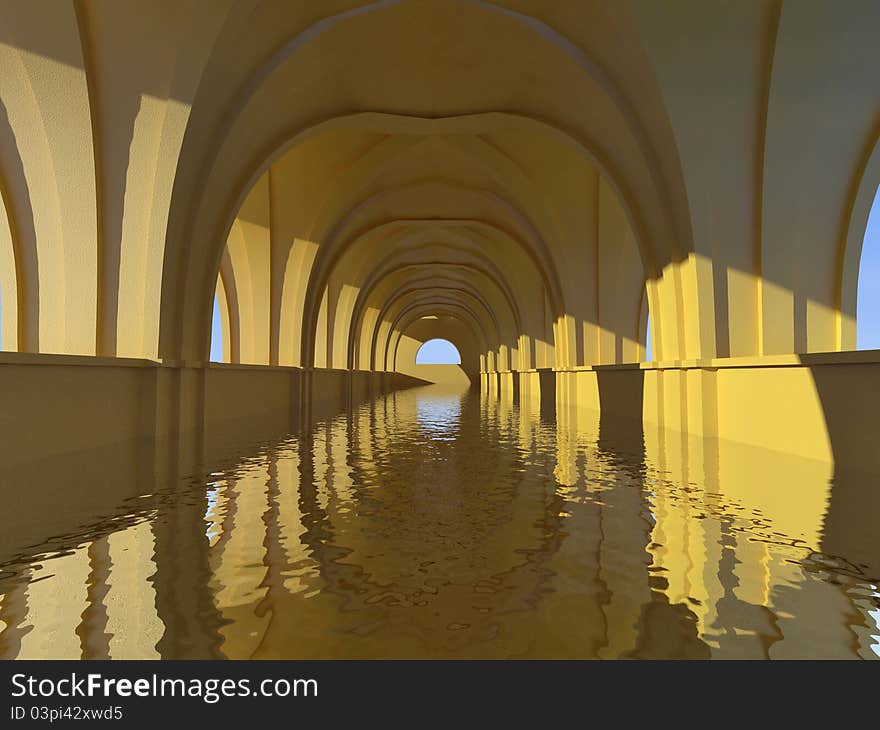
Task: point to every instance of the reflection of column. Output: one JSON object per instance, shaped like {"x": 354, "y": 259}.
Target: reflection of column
{"x": 566, "y": 471}
{"x": 13, "y": 614}
{"x": 298, "y": 567}
{"x": 133, "y": 625}
{"x": 741, "y": 629}
{"x": 490, "y": 404}
{"x": 274, "y": 558}
{"x": 56, "y": 599}
{"x": 651, "y": 617}
{"x": 684, "y": 544}
{"x": 317, "y": 531}
{"x": 337, "y": 455}
{"x": 624, "y": 525}
{"x": 577, "y": 609}
{"x": 367, "y": 419}
{"x": 505, "y": 399}
{"x": 239, "y": 571}
{"x": 92, "y": 630}
{"x": 623, "y": 560}
{"x": 505, "y": 386}
{"x": 814, "y": 616}
{"x": 320, "y": 451}
{"x": 704, "y": 535}
{"x": 738, "y": 568}
{"x": 184, "y": 600}
{"x": 774, "y": 499}
{"x": 529, "y": 410}
{"x": 289, "y": 567}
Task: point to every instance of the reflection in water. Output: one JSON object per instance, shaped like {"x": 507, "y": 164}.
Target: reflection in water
{"x": 438, "y": 414}
{"x": 454, "y": 525}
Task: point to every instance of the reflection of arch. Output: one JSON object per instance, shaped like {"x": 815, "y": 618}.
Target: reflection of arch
{"x": 438, "y": 351}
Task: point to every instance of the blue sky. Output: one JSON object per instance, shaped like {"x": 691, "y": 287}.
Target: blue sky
{"x": 438, "y": 352}
{"x": 868, "y": 310}
{"x": 216, "y": 334}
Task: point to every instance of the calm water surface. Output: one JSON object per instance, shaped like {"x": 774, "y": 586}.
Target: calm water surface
{"x": 437, "y": 524}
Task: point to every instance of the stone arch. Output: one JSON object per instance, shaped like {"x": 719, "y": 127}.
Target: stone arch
{"x": 450, "y": 356}
{"x": 253, "y": 87}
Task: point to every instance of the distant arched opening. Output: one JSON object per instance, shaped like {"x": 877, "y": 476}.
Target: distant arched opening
{"x": 645, "y": 327}
{"x": 216, "y": 333}
{"x": 438, "y": 352}
{"x": 868, "y": 296}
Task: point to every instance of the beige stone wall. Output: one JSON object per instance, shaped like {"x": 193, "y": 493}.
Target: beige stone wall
{"x": 58, "y": 405}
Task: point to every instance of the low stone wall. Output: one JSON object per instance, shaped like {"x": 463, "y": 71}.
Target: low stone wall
{"x": 55, "y": 405}
{"x": 822, "y": 407}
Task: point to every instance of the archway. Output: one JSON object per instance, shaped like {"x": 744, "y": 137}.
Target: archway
{"x": 868, "y": 296}
{"x": 438, "y": 351}
{"x": 439, "y": 347}
{"x": 216, "y": 333}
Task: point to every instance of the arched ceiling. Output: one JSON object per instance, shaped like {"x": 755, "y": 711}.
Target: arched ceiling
{"x": 587, "y": 149}
{"x": 384, "y": 126}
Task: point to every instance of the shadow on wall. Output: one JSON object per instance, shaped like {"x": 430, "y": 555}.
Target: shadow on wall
{"x": 547, "y": 386}
{"x": 850, "y": 526}
{"x": 850, "y": 397}
{"x": 621, "y": 393}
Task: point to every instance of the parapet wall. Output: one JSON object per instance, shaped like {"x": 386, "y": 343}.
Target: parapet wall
{"x": 823, "y": 407}
{"x": 63, "y": 404}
